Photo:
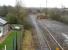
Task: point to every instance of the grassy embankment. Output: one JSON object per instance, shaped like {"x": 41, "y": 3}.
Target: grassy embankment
{"x": 9, "y": 40}
{"x": 28, "y": 41}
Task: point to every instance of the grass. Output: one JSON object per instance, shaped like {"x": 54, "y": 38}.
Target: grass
{"x": 27, "y": 41}
{"x": 9, "y": 40}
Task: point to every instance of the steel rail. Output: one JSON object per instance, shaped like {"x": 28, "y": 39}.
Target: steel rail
{"x": 53, "y": 37}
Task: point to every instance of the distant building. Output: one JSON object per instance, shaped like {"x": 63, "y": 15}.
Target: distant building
{"x": 3, "y": 27}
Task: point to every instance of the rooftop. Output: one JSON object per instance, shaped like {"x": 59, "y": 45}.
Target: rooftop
{"x": 2, "y": 21}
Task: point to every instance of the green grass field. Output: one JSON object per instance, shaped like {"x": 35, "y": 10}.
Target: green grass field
{"x": 9, "y": 40}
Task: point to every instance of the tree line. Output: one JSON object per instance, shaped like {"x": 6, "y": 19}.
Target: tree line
{"x": 15, "y": 15}
{"x": 59, "y": 14}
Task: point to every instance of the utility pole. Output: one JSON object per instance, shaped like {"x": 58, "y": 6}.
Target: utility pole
{"x": 46, "y": 9}
{"x": 18, "y": 9}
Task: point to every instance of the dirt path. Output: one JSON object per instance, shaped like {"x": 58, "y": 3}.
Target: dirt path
{"x": 28, "y": 41}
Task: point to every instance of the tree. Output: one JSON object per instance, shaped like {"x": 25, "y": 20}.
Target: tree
{"x": 55, "y": 16}
{"x": 3, "y": 11}
{"x": 21, "y": 13}
{"x": 11, "y": 18}
{"x": 11, "y": 9}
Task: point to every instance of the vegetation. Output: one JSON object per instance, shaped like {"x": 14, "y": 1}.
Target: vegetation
{"x": 28, "y": 41}
{"x": 64, "y": 19}
{"x": 11, "y": 18}
{"x": 59, "y": 15}
{"x": 3, "y": 10}
{"x": 15, "y": 15}
{"x": 55, "y": 16}
{"x": 9, "y": 40}
{"x": 13, "y": 12}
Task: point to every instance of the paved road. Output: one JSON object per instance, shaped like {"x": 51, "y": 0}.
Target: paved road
{"x": 58, "y": 30}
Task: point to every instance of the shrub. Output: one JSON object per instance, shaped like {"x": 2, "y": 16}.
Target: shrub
{"x": 55, "y": 16}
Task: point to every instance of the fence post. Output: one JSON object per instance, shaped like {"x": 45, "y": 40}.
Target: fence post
{"x": 16, "y": 42}
{"x": 5, "y": 48}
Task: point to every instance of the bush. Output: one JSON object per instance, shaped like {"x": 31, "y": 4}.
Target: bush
{"x": 11, "y": 19}
{"x": 27, "y": 25}
{"x": 55, "y": 16}
{"x": 65, "y": 20}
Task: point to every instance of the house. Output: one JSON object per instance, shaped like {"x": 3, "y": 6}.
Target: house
{"x": 3, "y": 27}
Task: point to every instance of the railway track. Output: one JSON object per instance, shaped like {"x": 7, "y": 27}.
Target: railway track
{"x": 43, "y": 45}
{"x": 43, "y": 42}
{"x": 45, "y": 39}
{"x": 50, "y": 38}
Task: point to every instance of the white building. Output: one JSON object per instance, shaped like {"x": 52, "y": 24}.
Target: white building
{"x": 3, "y": 27}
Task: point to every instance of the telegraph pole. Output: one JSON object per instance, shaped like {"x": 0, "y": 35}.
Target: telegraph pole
{"x": 46, "y": 9}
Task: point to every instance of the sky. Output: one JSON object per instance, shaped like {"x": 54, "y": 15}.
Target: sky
{"x": 37, "y": 3}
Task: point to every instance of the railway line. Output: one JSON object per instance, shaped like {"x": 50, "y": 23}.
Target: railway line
{"x": 49, "y": 39}
{"x": 45, "y": 37}
{"x": 55, "y": 37}
{"x": 42, "y": 41}
{"x": 43, "y": 44}
{"x": 38, "y": 44}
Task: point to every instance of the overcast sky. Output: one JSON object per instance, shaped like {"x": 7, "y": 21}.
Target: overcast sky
{"x": 37, "y": 3}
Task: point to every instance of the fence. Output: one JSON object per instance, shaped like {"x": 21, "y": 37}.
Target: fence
{"x": 13, "y": 41}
